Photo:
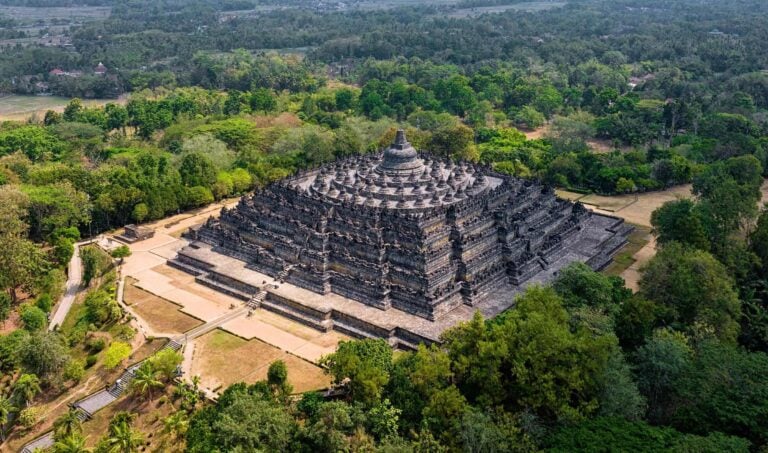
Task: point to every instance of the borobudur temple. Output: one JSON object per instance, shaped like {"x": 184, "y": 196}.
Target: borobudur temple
{"x": 399, "y": 245}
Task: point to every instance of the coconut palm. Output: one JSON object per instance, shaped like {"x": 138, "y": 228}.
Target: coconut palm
{"x": 176, "y": 424}
{"x": 6, "y": 408}
{"x": 145, "y": 380}
{"x": 68, "y": 424}
{"x": 26, "y": 388}
{"x": 123, "y": 438}
{"x": 72, "y": 443}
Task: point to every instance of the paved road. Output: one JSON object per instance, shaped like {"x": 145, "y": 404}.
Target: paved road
{"x": 74, "y": 282}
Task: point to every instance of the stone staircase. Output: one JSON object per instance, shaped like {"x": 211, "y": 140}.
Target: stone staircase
{"x": 87, "y": 406}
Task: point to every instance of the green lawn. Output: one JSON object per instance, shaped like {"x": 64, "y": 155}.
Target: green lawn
{"x": 18, "y": 107}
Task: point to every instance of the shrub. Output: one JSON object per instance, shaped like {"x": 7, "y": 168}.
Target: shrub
{"x": 97, "y": 344}
{"x": 33, "y": 318}
{"x": 91, "y": 360}
{"x": 115, "y": 354}
{"x": 74, "y": 371}
{"x": 29, "y": 417}
{"x": 44, "y": 302}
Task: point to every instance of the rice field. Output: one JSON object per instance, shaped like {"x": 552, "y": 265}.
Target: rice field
{"x": 20, "y": 108}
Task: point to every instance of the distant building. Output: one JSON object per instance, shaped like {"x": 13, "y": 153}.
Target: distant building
{"x": 57, "y": 72}
{"x": 100, "y": 69}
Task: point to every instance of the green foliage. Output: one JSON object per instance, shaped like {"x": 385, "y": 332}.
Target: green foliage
{"x": 121, "y": 252}
{"x": 43, "y": 353}
{"x": 165, "y": 362}
{"x": 615, "y": 434}
{"x": 367, "y": 364}
{"x": 33, "y": 318}
{"x": 101, "y": 308}
{"x": 695, "y": 289}
{"x": 116, "y": 354}
{"x": 242, "y": 420}
{"x": 682, "y": 222}
{"x": 530, "y": 359}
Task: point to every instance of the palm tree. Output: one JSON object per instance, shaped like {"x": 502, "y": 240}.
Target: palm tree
{"x": 123, "y": 439}
{"x": 68, "y": 424}
{"x": 176, "y": 424}
{"x": 145, "y": 380}
{"x": 6, "y": 408}
{"x": 26, "y": 388}
{"x": 72, "y": 443}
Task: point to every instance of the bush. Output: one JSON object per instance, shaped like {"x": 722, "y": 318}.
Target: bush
{"x": 33, "y": 318}
{"x": 97, "y": 344}
{"x": 115, "y": 354}
{"x": 74, "y": 371}
{"x": 29, "y": 417}
{"x": 91, "y": 360}
{"x": 44, "y": 302}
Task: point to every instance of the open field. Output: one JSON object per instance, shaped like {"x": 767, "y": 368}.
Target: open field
{"x": 161, "y": 315}
{"x": 526, "y": 7}
{"x": 221, "y": 359}
{"x": 19, "y": 108}
{"x": 26, "y": 14}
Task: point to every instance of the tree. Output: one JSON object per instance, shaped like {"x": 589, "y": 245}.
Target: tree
{"x": 21, "y": 263}
{"x": 263, "y": 99}
{"x": 530, "y": 118}
{"x": 241, "y": 420}
{"x": 695, "y": 288}
{"x": 71, "y": 443}
{"x": 331, "y": 426}
{"x": 121, "y": 253}
{"x": 122, "y": 438}
{"x": 723, "y": 389}
{"x": 530, "y": 359}
{"x": 682, "y": 222}
{"x": 659, "y": 364}
{"x": 457, "y": 141}
{"x": 197, "y": 169}
{"x": 616, "y": 434}
{"x": 580, "y": 286}
{"x": 116, "y": 354}
{"x": 145, "y": 380}
{"x": 55, "y": 206}
{"x": 176, "y": 424}
{"x": 277, "y": 377}
{"x": 6, "y": 409}
{"x": 101, "y": 308}
{"x": 166, "y": 363}
{"x": 366, "y": 363}
{"x": 68, "y": 424}
{"x": 43, "y": 353}
{"x": 26, "y": 387}
{"x": 6, "y": 306}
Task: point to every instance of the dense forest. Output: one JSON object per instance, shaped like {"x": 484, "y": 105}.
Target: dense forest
{"x": 228, "y": 96}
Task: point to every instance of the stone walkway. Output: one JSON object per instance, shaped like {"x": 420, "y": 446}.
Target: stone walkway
{"x": 74, "y": 286}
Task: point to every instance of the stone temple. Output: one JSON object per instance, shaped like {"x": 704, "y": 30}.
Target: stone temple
{"x": 397, "y": 245}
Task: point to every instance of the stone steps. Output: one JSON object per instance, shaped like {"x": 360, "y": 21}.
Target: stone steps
{"x": 323, "y": 325}
{"x": 184, "y": 267}
{"x": 352, "y": 331}
{"x": 206, "y": 280}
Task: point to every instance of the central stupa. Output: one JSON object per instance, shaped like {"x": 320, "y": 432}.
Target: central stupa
{"x": 400, "y": 230}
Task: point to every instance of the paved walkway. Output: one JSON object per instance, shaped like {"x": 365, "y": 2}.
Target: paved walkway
{"x": 74, "y": 286}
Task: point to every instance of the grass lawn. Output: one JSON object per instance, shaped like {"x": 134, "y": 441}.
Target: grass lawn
{"x": 161, "y": 315}
{"x": 18, "y": 108}
{"x": 221, "y": 359}
{"x": 625, "y": 258}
